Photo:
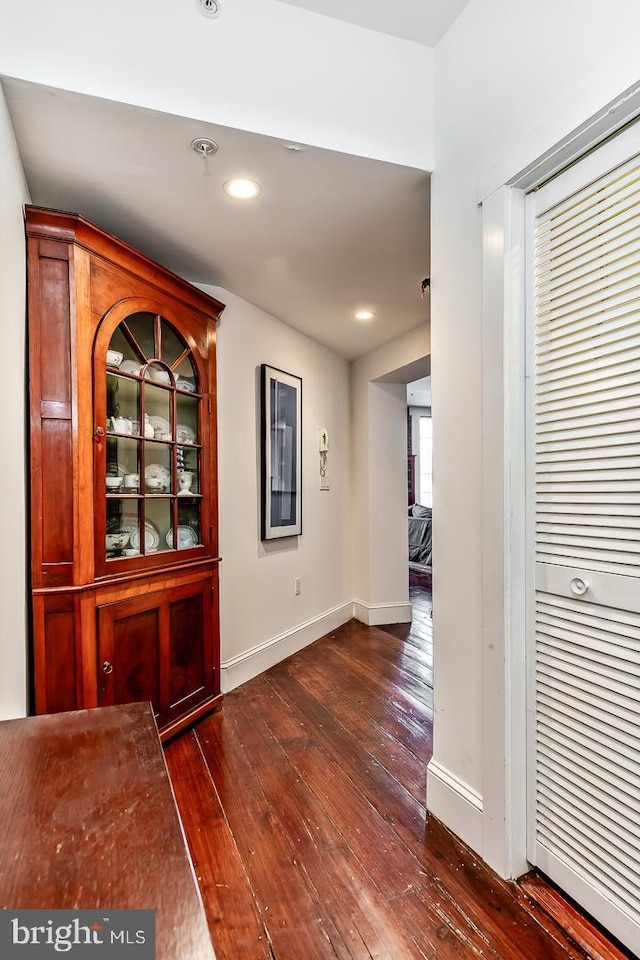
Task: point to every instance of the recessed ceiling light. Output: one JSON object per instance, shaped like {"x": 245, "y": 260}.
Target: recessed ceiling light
{"x": 364, "y": 315}
{"x": 241, "y": 189}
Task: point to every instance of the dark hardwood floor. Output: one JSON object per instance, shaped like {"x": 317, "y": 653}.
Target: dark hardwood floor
{"x": 303, "y": 803}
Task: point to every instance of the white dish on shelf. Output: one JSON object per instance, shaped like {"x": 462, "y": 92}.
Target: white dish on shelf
{"x": 187, "y": 537}
{"x": 161, "y": 428}
{"x": 158, "y": 375}
{"x": 151, "y": 537}
{"x": 185, "y": 385}
{"x": 126, "y": 524}
{"x": 114, "y": 483}
{"x": 116, "y": 541}
{"x": 184, "y": 434}
{"x": 130, "y": 366}
{"x": 156, "y": 471}
{"x": 114, "y": 358}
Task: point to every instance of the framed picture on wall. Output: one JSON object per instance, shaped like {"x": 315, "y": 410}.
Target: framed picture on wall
{"x": 281, "y": 513}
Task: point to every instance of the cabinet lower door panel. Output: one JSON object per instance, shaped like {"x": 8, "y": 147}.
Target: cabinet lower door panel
{"x": 130, "y": 668}
{"x": 187, "y": 648}
{"x": 157, "y": 647}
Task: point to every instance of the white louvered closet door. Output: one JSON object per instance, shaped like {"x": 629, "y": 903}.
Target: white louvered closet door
{"x": 585, "y": 796}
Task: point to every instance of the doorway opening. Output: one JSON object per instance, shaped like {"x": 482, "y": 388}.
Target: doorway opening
{"x": 419, "y": 487}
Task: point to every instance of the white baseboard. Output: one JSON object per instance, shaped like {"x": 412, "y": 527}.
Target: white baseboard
{"x": 456, "y": 804}
{"x": 252, "y": 662}
{"x": 376, "y": 614}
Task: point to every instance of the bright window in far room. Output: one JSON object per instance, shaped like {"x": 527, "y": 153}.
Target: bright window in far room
{"x": 426, "y": 470}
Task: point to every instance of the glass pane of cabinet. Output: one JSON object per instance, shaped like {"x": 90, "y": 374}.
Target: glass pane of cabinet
{"x": 158, "y": 525}
{"x": 186, "y": 377}
{"x": 123, "y": 465}
{"x": 123, "y": 528}
{"x": 187, "y": 419}
{"x": 138, "y": 332}
{"x": 188, "y": 523}
{"x": 123, "y": 405}
{"x": 153, "y": 468}
{"x": 172, "y": 346}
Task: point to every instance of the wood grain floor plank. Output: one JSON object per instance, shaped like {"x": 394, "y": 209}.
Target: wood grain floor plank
{"x": 417, "y": 694}
{"x": 382, "y": 656}
{"x": 402, "y": 718}
{"x": 360, "y": 719}
{"x": 413, "y": 860}
{"x": 402, "y": 811}
{"x": 314, "y": 814}
{"x": 409, "y": 708}
{"x": 468, "y": 913}
{"x": 364, "y": 918}
{"x": 298, "y": 925}
{"x": 234, "y": 921}
{"x": 373, "y": 838}
{"x": 562, "y": 913}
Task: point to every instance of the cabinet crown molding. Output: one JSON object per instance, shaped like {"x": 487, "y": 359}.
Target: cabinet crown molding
{"x": 68, "y": 227}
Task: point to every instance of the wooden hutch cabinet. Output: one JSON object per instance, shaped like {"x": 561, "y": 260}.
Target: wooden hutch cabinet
{"x": 124, "y": 538}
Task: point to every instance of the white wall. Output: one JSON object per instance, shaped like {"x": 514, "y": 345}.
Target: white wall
{"x": 262, "y": 620}
{"x": 511, "y": 80}
{"x": 13, "y": 649}
{"x": 263, "y": 66}
{"x": 379, "y": 498}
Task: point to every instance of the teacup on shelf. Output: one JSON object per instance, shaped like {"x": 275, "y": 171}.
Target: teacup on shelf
{"x": 155, "y": 484}
{"x": 113, "y": 483}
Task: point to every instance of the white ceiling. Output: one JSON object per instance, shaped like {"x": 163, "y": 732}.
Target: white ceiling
{"x": 329, "y": 234}
{"x": 424, "y": 21}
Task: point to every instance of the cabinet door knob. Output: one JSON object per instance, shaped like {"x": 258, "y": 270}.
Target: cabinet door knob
{"x": 107, "y": 667}
{"x": 578, "y": 586}
{"x": 99, "y": 434}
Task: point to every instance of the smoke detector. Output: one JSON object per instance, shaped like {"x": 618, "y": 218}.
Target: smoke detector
{"x": 209, "y": 8}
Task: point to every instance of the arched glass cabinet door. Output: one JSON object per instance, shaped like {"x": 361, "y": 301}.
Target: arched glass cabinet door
{"x": 153, "y": 466}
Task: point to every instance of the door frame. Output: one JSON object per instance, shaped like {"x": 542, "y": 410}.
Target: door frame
{"x": 504, "y": 534}
{"x": 506, "y": 518}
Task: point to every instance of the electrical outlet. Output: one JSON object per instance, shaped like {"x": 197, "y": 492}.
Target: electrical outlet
{"x": 296, "y": 586}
